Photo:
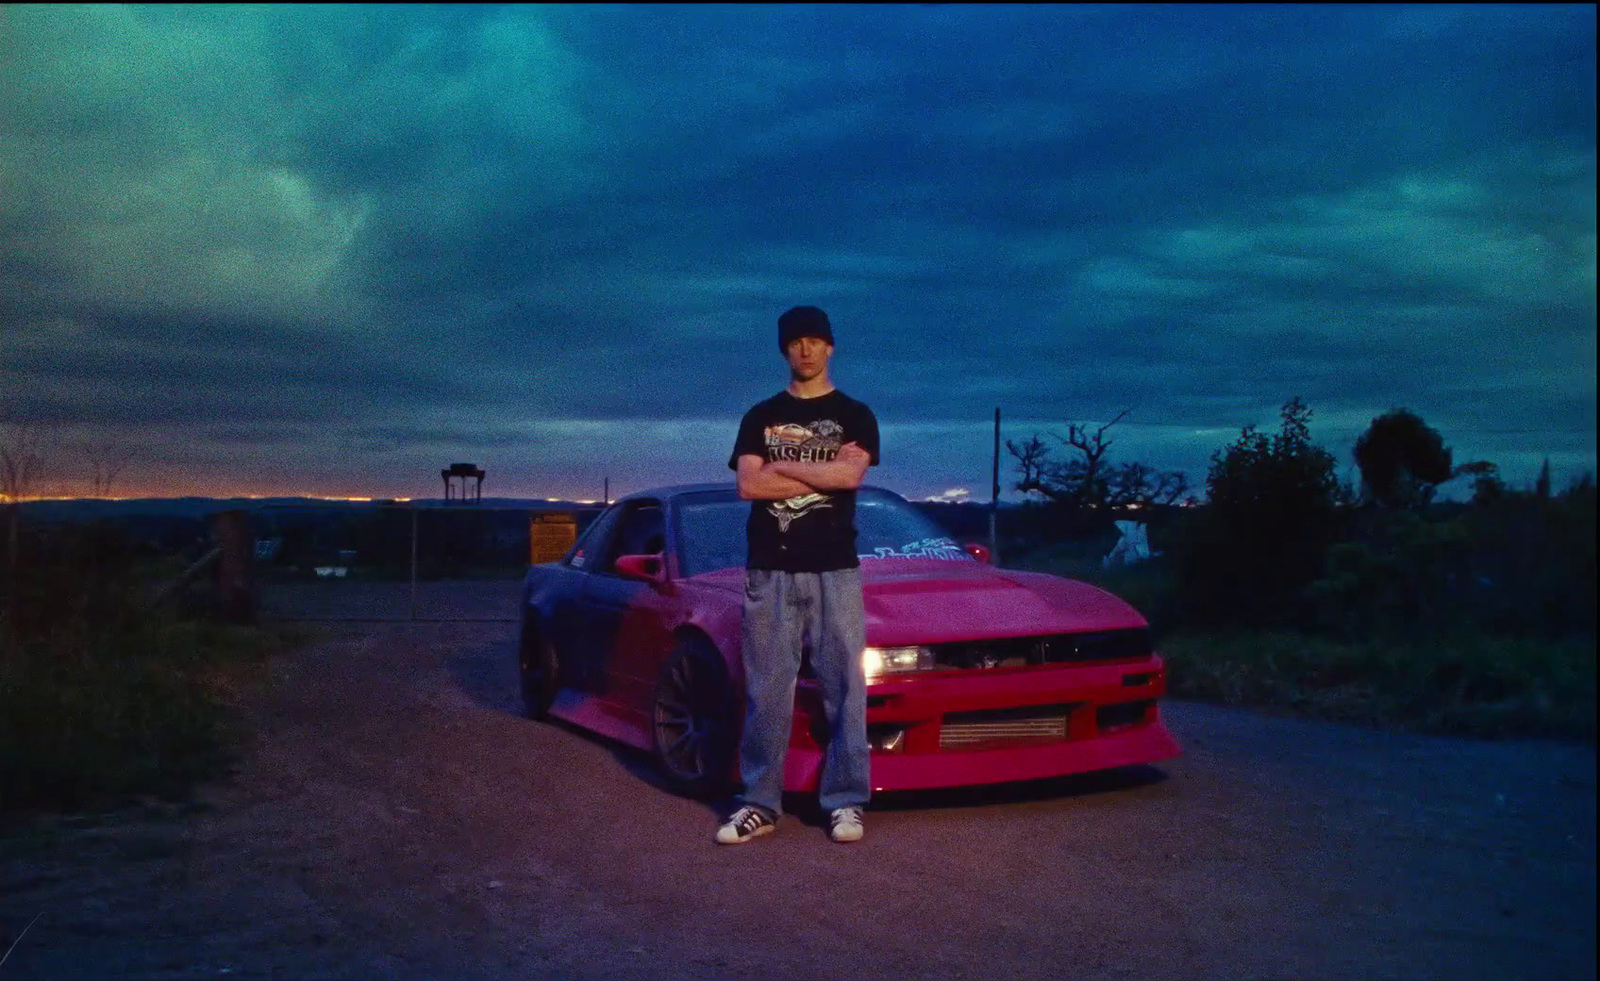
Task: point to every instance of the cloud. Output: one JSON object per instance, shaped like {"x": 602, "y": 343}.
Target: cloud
{"x": 411, "y": 231}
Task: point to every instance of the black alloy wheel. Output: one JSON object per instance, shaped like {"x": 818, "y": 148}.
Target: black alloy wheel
{"x": 539, "y": 670}
{"x": 694, "y": 727}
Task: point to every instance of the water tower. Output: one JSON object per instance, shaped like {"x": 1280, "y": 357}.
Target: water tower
{"x": 463, "y": 472}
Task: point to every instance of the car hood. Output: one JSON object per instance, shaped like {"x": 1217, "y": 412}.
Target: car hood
{"x": 919, "y": 603}
{"x": 934, "y": 602}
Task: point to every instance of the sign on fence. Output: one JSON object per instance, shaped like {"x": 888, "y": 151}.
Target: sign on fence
{"x": 550, "y": 535}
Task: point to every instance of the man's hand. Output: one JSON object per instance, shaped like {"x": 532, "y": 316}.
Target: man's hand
{"x": 843, "y": 472}
{"x": 852, "y": 452}
{"x": 761, "y": 481}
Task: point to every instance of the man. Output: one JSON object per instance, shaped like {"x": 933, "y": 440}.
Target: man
{"x": 800, "y": 456}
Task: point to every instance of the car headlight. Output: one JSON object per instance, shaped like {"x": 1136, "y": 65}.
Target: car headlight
{"x": 879, "y": 661}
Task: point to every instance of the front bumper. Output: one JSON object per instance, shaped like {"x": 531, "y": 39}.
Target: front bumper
{"x": 1050, "y": 721}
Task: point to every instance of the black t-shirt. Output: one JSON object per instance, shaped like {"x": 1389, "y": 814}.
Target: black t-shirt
{"x": 816, "y": 532}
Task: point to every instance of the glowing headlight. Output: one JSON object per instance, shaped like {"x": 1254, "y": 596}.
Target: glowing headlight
{"x": 878, "y": 661}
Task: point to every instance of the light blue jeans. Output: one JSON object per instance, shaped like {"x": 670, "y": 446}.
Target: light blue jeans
{"x": 784, "y": 612}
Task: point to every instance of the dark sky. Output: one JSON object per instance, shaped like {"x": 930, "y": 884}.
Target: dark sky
{"x": 334, "y": 249}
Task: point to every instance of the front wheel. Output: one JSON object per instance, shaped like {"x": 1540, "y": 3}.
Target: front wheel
{"x": 694, "y": 727}
{"x": 539, "y": 670}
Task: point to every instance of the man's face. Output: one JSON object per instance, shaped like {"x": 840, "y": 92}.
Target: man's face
{"x": 808, "y": 357}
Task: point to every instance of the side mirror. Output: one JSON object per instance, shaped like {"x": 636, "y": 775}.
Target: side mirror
{"x": 979, "y": 552}
{"x": 649, "y": 568}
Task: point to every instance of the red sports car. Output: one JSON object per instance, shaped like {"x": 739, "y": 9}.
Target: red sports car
{"x": 975, "y": 674}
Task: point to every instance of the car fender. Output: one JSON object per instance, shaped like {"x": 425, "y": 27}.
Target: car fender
{"x": 546, "y": 589}
{"x": 716, "y": 616}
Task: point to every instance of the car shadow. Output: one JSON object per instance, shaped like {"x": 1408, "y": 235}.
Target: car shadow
{"x": 487, "y": 674}
{"x": 1023, "y": 791}
{"x": 805, "y": 807}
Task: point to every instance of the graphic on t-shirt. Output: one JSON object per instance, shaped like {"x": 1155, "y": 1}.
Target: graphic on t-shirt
{"x": 816, "y": 443}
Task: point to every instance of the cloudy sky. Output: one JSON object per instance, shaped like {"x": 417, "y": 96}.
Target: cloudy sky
{"x": 283, "y": 249}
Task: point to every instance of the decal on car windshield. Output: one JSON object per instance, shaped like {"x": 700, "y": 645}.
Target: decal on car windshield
{"x": 926, "y": 548}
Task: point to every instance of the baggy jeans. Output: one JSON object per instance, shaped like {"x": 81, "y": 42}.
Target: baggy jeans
{"x": 784, "y": 612}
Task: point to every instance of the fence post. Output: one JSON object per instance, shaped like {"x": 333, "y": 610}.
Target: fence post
{"x": 12, "y": 510}
{"x": 236, "y": 592}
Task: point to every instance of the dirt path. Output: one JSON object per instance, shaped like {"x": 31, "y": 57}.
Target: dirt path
{"x": 398, "y": 819}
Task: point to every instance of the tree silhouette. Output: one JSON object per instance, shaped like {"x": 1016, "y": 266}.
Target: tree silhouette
{"x": 21, "y": 460}
{"x": 1272, "y": 514}
{"x": 1403, "y": 460}
{"x": 1087, "y": 480}
{"x": 107, "y": 458}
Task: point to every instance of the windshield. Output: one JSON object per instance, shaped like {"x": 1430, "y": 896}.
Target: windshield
{"x": 711, "y": 531}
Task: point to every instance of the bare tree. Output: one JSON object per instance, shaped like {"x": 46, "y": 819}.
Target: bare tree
{"x": 1138, "y": 485}
{"x": 21, "y": 460}
{"x": 1087, "y": 479}
{"x": 108, "y": 458}
{"x": 1087, "y": 471}
{"x": 1038, "y": 470}
{"x": 21, "y": 465}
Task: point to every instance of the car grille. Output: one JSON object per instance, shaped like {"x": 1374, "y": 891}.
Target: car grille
{"x": 1099, "y": 645}
{"x": 1031, "y": 723}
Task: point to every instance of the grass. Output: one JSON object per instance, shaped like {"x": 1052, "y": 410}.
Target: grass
{"x": 1452, "y": 683}
{"x": 122, "y": 703}
{"x": 1464, "y": 685}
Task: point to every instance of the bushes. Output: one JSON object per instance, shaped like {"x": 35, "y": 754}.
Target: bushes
{"x": 100, "y": 697}
{"x": 1469, "y": 618}
{"x": 1514, "y": 565}
{"x": 1272, "y": 515}
{"x": 1468, "y": 684}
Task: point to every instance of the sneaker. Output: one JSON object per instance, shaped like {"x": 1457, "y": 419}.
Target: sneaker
{"x": 746, "y": 823}
{"x": 846, "y": 823}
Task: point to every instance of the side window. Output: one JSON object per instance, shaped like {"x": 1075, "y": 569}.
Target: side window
{"x": 642, "y": 533}
{"x": 592, "y": 544}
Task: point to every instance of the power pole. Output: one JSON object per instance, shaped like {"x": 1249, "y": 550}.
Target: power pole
{"x": 606, "y": 494}
{"x": 994, "y": 494}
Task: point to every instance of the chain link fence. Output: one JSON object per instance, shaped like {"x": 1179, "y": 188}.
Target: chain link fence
{"x": 403, "y": 561}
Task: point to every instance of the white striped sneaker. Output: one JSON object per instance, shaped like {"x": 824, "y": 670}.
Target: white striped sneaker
{"x": 745, "y": 823}
{"x": 846, "y": 822}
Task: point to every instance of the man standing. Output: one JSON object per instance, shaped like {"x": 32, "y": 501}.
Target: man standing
{"x": 800, "y": 456}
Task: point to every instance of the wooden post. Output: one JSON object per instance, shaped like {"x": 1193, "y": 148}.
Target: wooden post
{"x": 994, "y": 496}
{"x": 236, "y": 587}
{"x": 8, "y": 615}
{"x": 413, "y": 560}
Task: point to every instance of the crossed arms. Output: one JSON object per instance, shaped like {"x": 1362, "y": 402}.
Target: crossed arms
{"x": 762, "y": 481}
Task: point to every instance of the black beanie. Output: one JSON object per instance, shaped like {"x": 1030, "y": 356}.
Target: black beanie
{"x": 803, "y": 322}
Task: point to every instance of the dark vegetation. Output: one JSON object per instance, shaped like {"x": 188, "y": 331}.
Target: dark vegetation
{"x": 1376, "y": 603}
{"x": 105, "y": 697}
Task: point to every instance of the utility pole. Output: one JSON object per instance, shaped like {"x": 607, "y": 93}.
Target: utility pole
{"x": 994, "y": 494}
{"x": 605, "y": 497}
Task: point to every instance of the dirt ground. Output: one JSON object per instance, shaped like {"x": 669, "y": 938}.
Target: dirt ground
{"x": 397, "y": 818}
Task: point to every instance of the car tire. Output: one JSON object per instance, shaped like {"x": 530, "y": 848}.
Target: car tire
{"x": 693, "y": 725}
{"x": 539, "y": 669}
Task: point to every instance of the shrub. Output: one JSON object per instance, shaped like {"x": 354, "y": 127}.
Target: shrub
{"x": 102, "y": 697}
{"x": 1467, "y": 684}
{"x": 1273, "y": 512}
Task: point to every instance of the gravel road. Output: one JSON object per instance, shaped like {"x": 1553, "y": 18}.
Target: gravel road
{"x": 397, "y": 818}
